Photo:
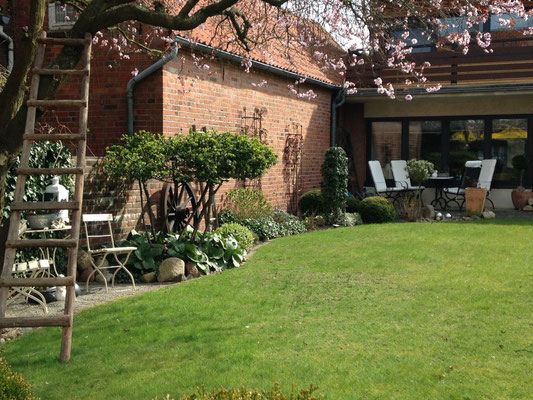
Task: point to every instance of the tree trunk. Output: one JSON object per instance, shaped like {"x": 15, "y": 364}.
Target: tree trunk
{"x": 12, "y": 120}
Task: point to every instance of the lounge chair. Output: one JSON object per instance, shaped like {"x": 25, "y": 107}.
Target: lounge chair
{"x": 485, "y": 176}
{"x": 401, "y": 177}
{"x": 392, "y": 193}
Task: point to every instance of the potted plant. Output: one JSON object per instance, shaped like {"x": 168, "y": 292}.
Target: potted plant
{"x": 519, "y": 196}
{"x": 411, "y": 201}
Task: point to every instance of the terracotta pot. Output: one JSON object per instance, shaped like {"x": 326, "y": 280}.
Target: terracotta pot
{"x": 475, "y": 201}
{"x": 520, "y": 198}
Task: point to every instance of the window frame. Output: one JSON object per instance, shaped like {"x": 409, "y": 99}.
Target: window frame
{"x": 53, "y": 25}
{"x": 445, "y": 126}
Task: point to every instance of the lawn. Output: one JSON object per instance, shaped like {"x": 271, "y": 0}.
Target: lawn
{"x": 396, "y": 311}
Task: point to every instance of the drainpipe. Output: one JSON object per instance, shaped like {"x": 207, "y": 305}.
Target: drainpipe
{"x": 337, "y": 102}
{"x": 141, "y": 76}
{"x": 10, "y": 48}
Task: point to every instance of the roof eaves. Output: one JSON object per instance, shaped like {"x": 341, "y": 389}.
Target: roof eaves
{"x": 257, "y": 64}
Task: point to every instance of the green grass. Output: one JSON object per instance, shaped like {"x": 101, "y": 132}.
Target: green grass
{"x": 397, "y": 311}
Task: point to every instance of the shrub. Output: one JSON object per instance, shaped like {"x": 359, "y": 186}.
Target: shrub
{"x": 278, "y": 224}
{"x": 312, "y": 223}
{"x": 289, "y": 224}
{"x": 12, "y": 385}
{"x": 242, "y": 234}
{"x": 209, "y": 251}
{"x": 377, "y": 210}
{"x": 335, "y": 181}
{"x": 265, "y": 228}
{"x": 419, "y": 170}
{"x": 246, "y": 394}
{"x": 311, "y": 203}
{"x": 352, "y": 204}
{"x": 247, "y": 203}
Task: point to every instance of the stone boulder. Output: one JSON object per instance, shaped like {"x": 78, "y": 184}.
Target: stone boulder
{"x": 82, "y": 277}
{"x": 84, "y": 260}
{"x": 171, "y": 270}
{"x": 107, "y": 275}
{"x": 148, "y": 278}
{"x": 190, "y": 269}
{"x": 489, "y": 215}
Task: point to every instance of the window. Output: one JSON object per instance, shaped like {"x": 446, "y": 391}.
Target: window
{"x": 449, "y": 142}
{"x": 425, "y": 141}
{"x": 386, "y": 144}
{"x": 466, "y": 143}
{"x": 509, "y": 138}
{"x": 60, "y": 16}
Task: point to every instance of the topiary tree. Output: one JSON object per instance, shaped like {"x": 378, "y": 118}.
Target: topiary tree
{"x": 213, "y": 158}
{"x": 335, "y": 182}
{"x": 140, "y": 157}
{"x": 521, "y": 164}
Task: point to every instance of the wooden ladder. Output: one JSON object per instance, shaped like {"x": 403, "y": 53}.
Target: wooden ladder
{"x": 14, "y": 240}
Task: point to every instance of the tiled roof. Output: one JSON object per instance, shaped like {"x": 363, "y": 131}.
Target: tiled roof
{"x": 291, "y": 56}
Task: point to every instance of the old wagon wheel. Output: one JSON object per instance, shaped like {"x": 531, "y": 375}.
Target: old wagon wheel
{"x": 179, "y": 206}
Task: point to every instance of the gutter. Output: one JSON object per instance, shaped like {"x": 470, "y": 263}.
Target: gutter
{"x": 256, "y": 64}
{"x": 143, "y": 75}
{"x": 10, "y": 48}
{"x": 336, "y": 103}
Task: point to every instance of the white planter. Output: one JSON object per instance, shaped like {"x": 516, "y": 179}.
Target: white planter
{"x": 40, "y": 221}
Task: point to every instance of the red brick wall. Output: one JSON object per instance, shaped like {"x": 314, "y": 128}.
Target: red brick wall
{"x": 214, "y": 100}
{"x": 217, "y": 99}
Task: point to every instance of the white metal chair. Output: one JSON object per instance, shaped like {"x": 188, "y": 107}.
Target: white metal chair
{"x": 102, "y": 253}
{"x": 380, "y": 184}
{"x": 401, "y": 177}
{"x": 470, "y": 178}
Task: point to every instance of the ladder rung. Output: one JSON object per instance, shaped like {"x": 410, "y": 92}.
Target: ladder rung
{"x": 33, "y": 322}
{"x": 23, "y": 243}
{"x": 51, "y": 171}
{"x": 56, "y": 103}
{"x": 63, "y": 41}
{"x": 50, "y": 71}
{"x": 37, "y": 282}
{"x": 54, "y": 136}
{"x": 44, "y": 205}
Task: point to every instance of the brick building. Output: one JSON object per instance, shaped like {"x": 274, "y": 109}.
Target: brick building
{"x": 180, "y": 95}
{"x": 482, "y": 111}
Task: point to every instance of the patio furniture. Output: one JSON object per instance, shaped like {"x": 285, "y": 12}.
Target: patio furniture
{"x": 401, "y": 177}
{"x": 485, "y": 177}
{"x": 392, "y": 193}
{"x": 29, "y": 270}
{"x": 470, "y": 178}
{"x": 49, "y": 253}
{"x": 102, "y": 253}
{"x": 440, "y": 183}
